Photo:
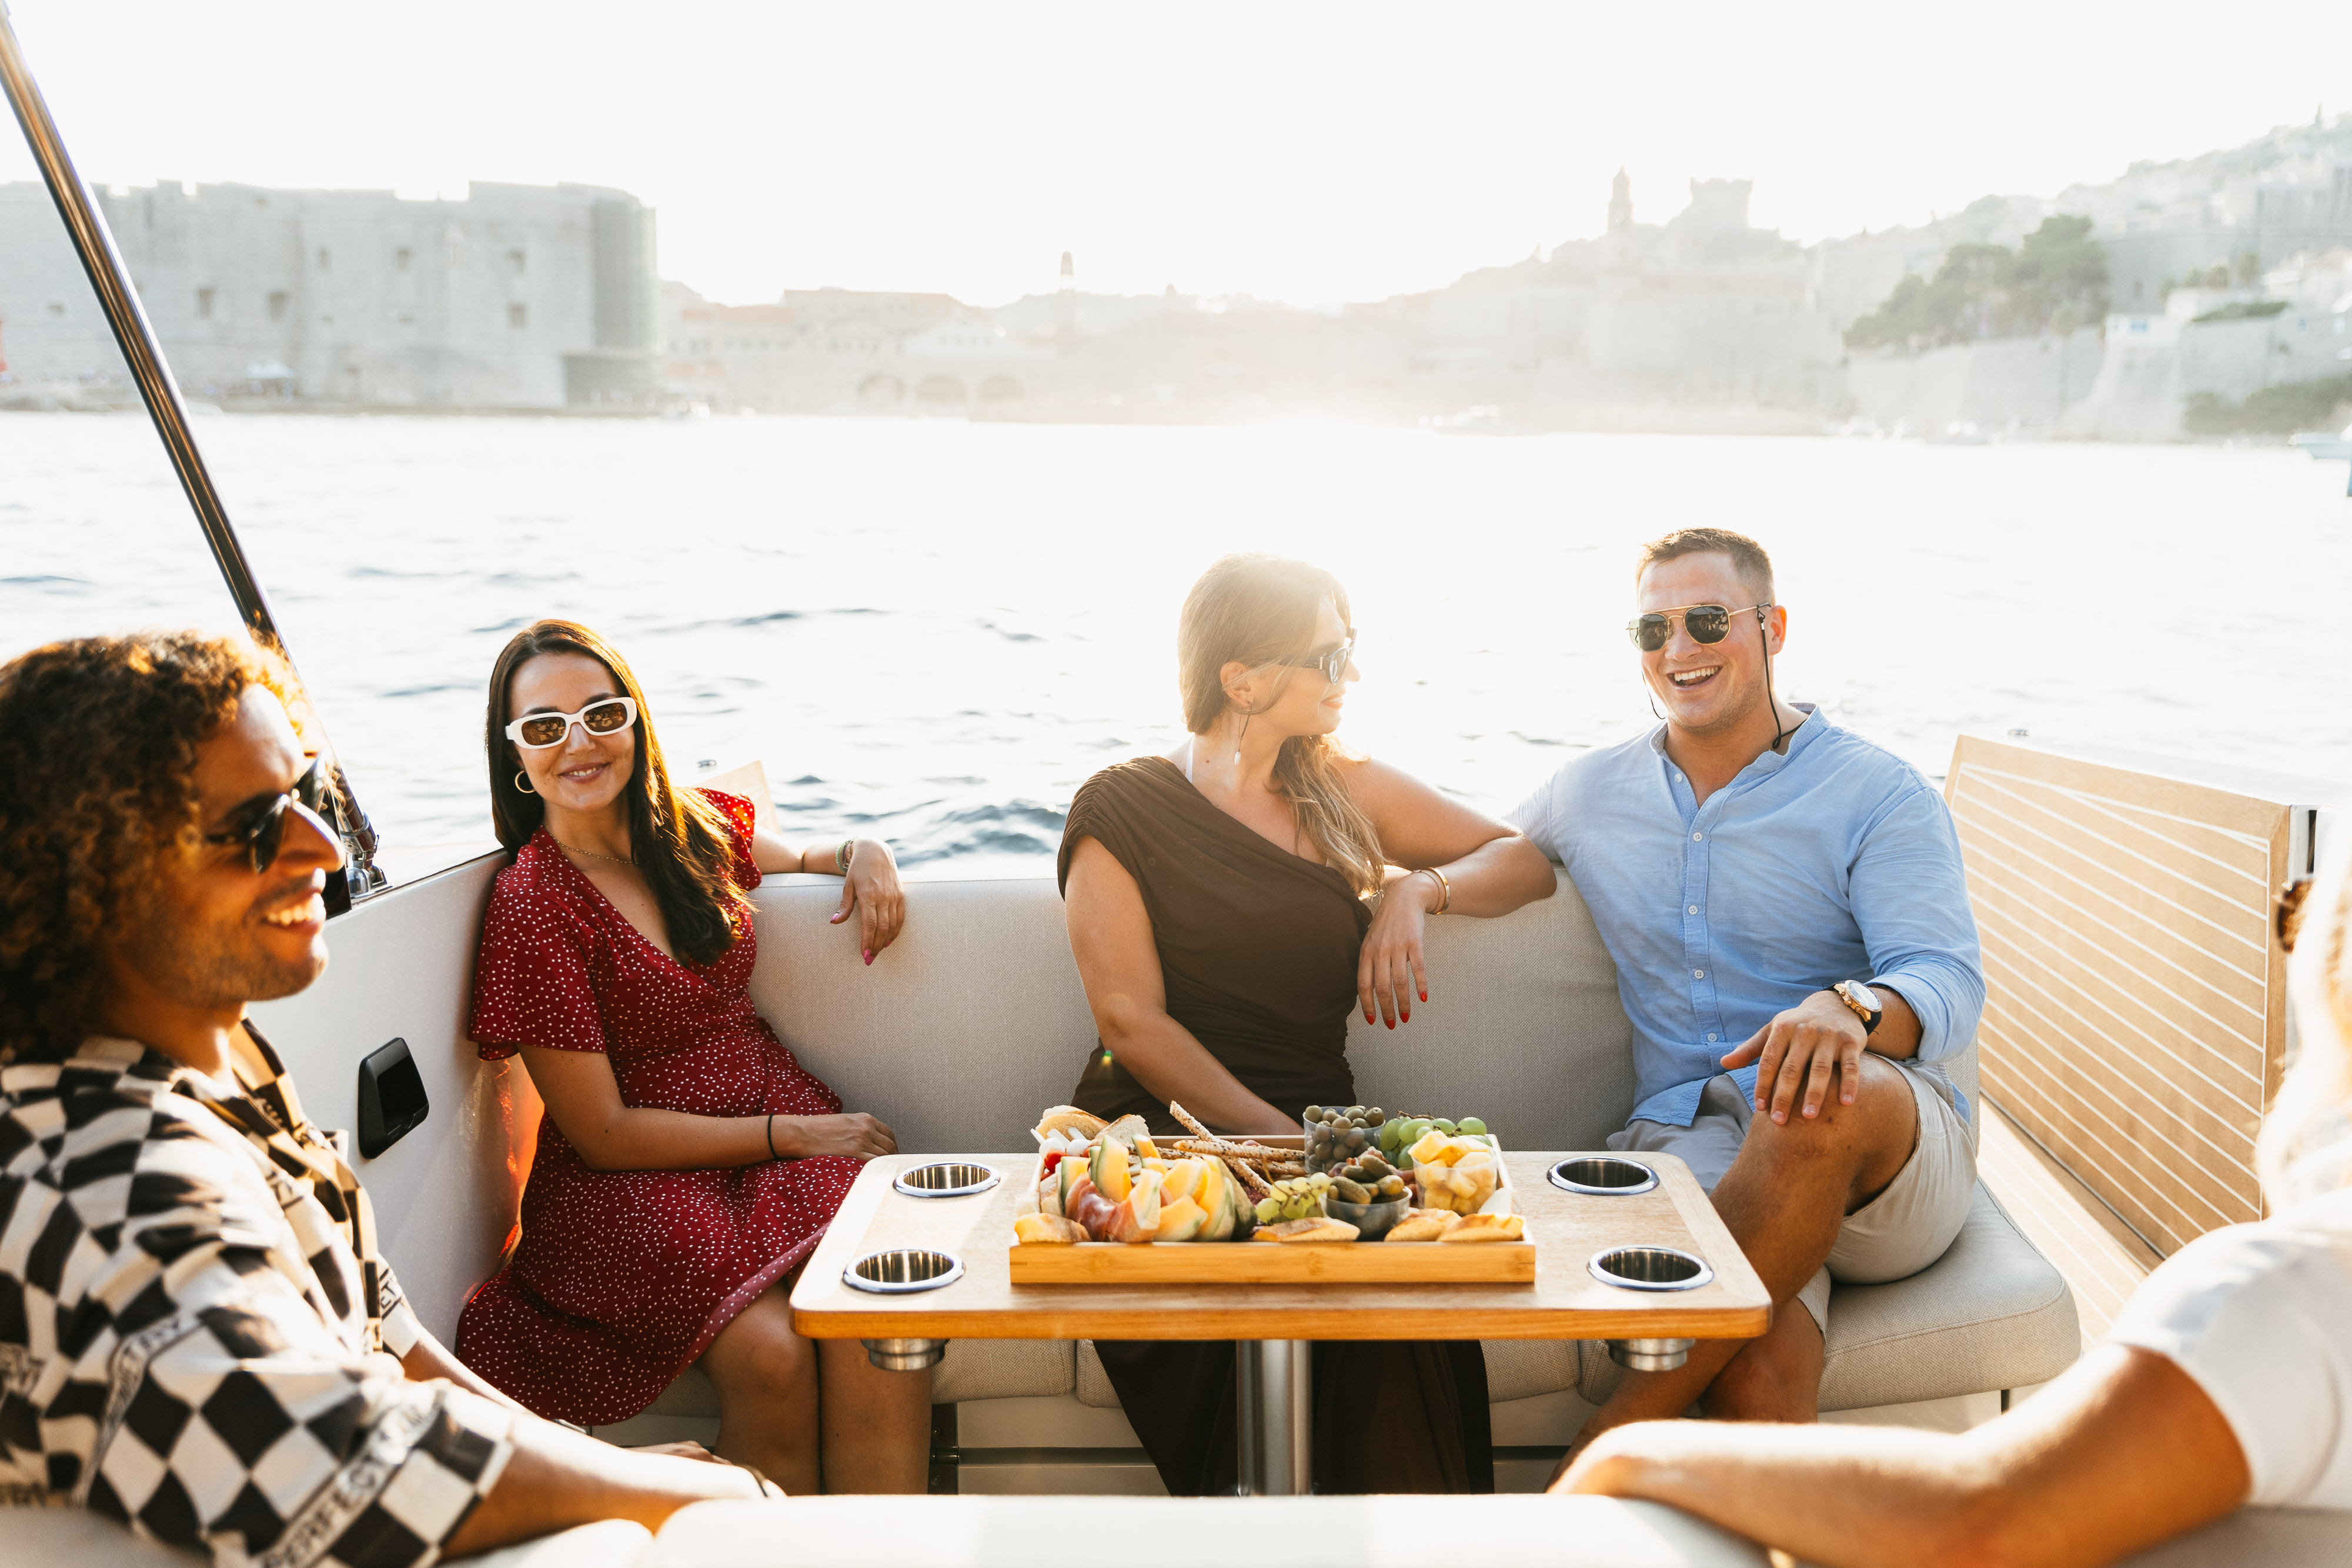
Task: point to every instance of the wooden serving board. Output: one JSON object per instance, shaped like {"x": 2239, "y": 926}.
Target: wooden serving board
{"x": 1273, "y": 1262}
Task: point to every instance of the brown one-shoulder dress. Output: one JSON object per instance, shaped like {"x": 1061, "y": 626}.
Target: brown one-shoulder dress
{"x": 1258, "y": 953}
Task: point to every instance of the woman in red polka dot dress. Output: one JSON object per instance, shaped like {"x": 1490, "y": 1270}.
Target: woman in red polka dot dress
{"x": 686, "y": 1164}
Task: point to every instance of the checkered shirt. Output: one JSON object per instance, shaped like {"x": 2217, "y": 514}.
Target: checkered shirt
{"x": 196, "y": 1336}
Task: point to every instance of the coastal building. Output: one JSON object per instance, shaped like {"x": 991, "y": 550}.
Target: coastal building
{"x": 517, "y": 297}
{"x": 841, "y": 350}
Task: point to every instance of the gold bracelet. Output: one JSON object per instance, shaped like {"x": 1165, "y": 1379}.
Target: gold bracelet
{"x": 1444, "y": 887}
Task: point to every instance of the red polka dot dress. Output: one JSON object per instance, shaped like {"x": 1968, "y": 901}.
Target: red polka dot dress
{"x": 624, "y": 1277}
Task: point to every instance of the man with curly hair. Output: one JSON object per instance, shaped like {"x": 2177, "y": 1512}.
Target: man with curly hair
{"x": 197, "y": 1336}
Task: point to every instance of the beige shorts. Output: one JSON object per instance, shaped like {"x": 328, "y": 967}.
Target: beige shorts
{"x": 1894, "y": 1235}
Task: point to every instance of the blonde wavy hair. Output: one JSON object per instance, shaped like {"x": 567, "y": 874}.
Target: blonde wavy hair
{"x": 2307, "y": 1143}
{"x": 1253, "y": 609}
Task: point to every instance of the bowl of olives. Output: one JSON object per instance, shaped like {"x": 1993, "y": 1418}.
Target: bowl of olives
{"x": 1336, "y": 1134}
{"x": 1369, "y": 1194}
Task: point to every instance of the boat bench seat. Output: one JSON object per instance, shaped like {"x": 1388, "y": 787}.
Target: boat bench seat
{"x": 975, "y": 1020}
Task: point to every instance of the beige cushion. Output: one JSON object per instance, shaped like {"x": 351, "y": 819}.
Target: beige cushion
{"x": 997, "y": 1531}
{"x": 1993, "y": 1312}
{"x": 974, "y": 1020}
{"x": 1093, "y": 1386}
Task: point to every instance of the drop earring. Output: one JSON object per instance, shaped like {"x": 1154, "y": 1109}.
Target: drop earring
{"x": 1239, "y": 738}
{"x": 522, "y": 782}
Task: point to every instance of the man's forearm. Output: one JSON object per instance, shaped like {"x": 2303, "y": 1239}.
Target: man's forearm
{"x": 558, "y": 1479}
{"x": 1824, "y": 1492}
{"x": 1897, "y": 1034}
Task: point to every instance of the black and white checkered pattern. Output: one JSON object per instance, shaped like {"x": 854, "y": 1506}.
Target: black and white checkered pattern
{"x": 196, "y": 1336}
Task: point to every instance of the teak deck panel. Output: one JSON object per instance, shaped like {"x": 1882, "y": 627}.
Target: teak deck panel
{"x": 2135, "y": 1021}
{"x": 1565, "y": 1302}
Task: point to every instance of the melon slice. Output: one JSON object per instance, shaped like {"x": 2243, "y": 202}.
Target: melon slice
{"x": 1111, "y": 1169}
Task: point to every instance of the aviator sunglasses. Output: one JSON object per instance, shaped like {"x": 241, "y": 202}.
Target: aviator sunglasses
{"x": 1333, "y": 664}
{"x": 1705, "y": 623}
{"x": 538, "y": 731}
{"x": 263, "y": 834}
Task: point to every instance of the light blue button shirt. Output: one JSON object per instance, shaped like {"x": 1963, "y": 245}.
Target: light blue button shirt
{"x": 1834, "y": 861}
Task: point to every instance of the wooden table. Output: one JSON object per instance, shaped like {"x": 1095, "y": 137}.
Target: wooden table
{"x": 1273, "y": 1324}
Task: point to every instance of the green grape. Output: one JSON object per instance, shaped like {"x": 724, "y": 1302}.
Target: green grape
{"x": 1268, "y": 1211}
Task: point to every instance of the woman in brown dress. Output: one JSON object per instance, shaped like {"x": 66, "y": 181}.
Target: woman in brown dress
{"x": 1228, "y": 902}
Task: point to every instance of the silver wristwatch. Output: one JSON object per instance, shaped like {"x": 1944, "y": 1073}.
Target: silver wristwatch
{"x": 1863, "y": 1000}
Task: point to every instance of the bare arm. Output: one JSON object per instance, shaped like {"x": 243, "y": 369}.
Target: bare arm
{"x": 1119, "y": 963}
{"x": 558, "y": 1479}
{"x": 2121, "y": 1452}
{"x": 1490, "y": 868}
{"x": 871, "y": 888}
{"x": 428, "y": 1358}
{"x": 582, "y": 1094}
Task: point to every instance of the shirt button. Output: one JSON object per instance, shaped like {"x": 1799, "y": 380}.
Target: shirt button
{"x": 1698, "y": 974}
{"x": 1696, "y": 837}
{"x": 1710, "y": 1040}
{"x": 1693, "y": 909}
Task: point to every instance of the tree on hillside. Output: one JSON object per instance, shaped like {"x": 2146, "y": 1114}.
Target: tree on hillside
{"x": 2054, "y": 282}
{"x": 2061, "y": 279}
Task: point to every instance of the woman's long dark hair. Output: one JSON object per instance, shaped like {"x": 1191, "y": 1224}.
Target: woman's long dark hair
{"x": 682, "y": 842}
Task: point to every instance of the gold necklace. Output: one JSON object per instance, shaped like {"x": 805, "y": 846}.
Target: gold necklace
{"x": 591, "y": 854}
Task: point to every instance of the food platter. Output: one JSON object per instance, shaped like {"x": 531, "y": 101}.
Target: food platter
{"x": 1238, "y": 1260}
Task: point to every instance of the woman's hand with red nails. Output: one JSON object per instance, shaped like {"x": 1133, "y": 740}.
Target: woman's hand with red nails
{"x": 1390, "y": 969}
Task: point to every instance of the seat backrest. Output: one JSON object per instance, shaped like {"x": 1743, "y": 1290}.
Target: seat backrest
{"x": 975, "y": 1020}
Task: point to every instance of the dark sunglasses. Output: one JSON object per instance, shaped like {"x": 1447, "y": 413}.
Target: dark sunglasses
{"x": 1333, "y": 664}
{"x": 263, "y": 834}
{"x": 1705, "y": 623}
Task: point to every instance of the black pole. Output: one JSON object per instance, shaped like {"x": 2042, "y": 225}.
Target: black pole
{"x": 91, "y": 241}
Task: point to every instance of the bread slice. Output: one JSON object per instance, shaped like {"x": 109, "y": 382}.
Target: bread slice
{"x": 1486, "y": 1227}
{"x": 1317, "y": 1228}
{"x": 1067, "y": 1119}
{"x": 1422, "y": 1224}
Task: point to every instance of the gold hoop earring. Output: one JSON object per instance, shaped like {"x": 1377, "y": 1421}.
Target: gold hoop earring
{"x": 522, "y": 782}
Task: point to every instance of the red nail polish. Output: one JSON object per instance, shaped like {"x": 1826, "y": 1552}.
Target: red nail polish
{"x": 1393, "y": 1023}
{"x": 1425, "y": 996}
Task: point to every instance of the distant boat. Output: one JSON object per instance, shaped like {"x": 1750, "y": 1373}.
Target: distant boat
{"x": 1962, "y": 433}
{"x": 1479, "y": 419}
{"x": 2323, "y": 446}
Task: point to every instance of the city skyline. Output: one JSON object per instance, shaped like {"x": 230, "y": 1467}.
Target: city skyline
{"x": 1309, "y": 156}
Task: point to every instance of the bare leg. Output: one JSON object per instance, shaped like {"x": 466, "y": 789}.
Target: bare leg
{"x": 767, "y": 1378}
{"x": 878, "y": 1424}
{"x": 1783, "y": 1200}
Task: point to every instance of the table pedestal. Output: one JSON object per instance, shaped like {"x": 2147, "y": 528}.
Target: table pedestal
{"x": 1276, "y": 1426}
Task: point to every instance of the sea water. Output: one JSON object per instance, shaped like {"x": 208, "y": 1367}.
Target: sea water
{"x": 934, "y": 631}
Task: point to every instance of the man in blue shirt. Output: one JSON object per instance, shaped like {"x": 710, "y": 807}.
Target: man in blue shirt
{"x": 1742, "y": 860}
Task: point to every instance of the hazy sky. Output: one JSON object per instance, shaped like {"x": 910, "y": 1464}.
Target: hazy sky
{"x": 1296, "y": 150}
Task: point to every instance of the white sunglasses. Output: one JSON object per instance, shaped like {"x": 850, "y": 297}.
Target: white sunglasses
{"x": 539, "y": 731}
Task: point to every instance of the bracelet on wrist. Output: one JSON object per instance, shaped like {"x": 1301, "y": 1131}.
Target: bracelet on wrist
{"x": 844, "y": 852}
{"x": 772, "y": 1137}
{"x": 1445, "y": 888}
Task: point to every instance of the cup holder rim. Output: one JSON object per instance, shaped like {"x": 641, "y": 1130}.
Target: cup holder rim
{"x": 858, "y": 1281}
{"x": 900, "y": 1184}
{"x": 1598, "y": 1270}
{"x": 1586, "y": 1189}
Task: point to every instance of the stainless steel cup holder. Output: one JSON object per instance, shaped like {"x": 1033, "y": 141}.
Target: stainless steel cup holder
{"x": 947, "y": 1178}
{"x": 902, "y": 1271}
{"x": 1651, "y": 1268}
{"x": 1603, "y": 1175}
